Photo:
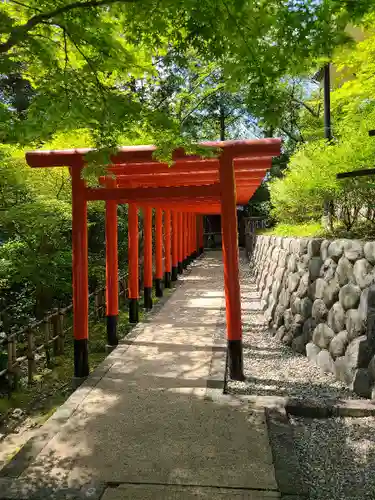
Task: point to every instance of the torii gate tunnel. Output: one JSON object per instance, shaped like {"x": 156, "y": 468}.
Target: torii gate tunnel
{"x": 187, "y": 190}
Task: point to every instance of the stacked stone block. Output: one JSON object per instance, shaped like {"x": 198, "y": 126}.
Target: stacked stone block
{"x": 318, "y": 297}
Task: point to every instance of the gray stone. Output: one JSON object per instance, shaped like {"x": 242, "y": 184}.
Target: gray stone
{"x": 353, "y": 249}
{"x": 369, "y": 251}
{"x": 296, "y": 329}
{"x": 305, "y": 307}
{"x": 299, "y": 344}
{"x": 280, "y": 333}
{"x": 361, "y": 383}
{"x": 331, "y": 293}
{"x": 363, "y": 303}
{"x": 343, "y": 372}
{"x": 323, "y": 335}
{"x": 344, "y": 271}
{"x": 295, "y": 304}
{"x": 303, "y": 263}
{"x": 288, "y": 338}
{"x": 284, "y": 297}
{"x": 320, "y": 286}
{"x": 279, "y": 315}
{"x": 288, "y": 319}
{"x": 357, "y": 354}
{"x": 319, "y": 310}
{"x": 325, "y": 361}
{"x": 336, "y": 317}
{"x": 283, "y": 255}
{"x": 339, "y": 344}
{"x": 292, "y": 263}
{"x": 336, "y": 249}
{"x": 303, "y": 286}
{"x": 313, "y": 247}
{"x": 363, "y": 273}
{"x": 371, "y": 368}
{"x": 293, "y": 282}
{"x": 324, "y": 249}
{"x": 285, "y": 244}
{"x": 314, "y": 267}
{"x": 308, "y": 328}
{"x": 370, "y": 317}
{"x": 312, "y": 351}
{"x": 303, "y": 245}
{"x": 328, "y": 269}
{"x": 349, "y": 296}
{"x": 355, "y": 324}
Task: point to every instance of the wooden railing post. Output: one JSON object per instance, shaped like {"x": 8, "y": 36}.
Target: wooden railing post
{"x": 58, "y": 332}
{"x": 47, "y": 337}
{"x": 31, "y": 368}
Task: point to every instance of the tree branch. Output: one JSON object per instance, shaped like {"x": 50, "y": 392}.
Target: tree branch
{"x": 306, "y": 106}
{"x": 18, "y": 33}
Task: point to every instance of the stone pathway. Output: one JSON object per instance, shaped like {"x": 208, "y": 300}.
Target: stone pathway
{"x": 145, "y": 424}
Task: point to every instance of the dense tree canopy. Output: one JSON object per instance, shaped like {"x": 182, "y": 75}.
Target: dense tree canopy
{"x": 311, "y": 174}
{"x": 95, "y": 63}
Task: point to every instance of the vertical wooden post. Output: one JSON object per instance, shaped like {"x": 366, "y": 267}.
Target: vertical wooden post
{"x": 174, "y": 245}
{"x": 47, "y": 337}
{"x": 195, "y": 236}
{"x": 231, "y": 274}
{"x": 147, "y": 276}
{"x": 30, "y": 355}
{"x": 133, "y": 259}
{"x": 180, "y": 243}
{"x": 185, "y": 240}
{"x": 80, "y": 276}
{"x": 158, "y": 252}
{"x": 167, "y": 249}
{"x": 111, "y": 261}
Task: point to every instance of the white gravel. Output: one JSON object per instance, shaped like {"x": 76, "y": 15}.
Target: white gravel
{"x": 271, "y": 368}
{"x": 337, "y": 457}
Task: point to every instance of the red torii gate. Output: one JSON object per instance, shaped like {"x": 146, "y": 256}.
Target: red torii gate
{"x": 186, "y": 191}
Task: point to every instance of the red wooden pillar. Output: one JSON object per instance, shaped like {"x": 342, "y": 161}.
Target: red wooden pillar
{"x": 195, "y": 232}
{"x": 180, "y": 243}
{"x": 147, "y": 258}
{"x": 231, "y": 274}
{"x": 201, "y": 234}
{"x": 111, "y": 261}
{"x": 190, "y": 234}
{"x": 133, "y": 258}
{"x": 167, "y": 249}
{"x": 80, "y": 276}
{"x": 185, "y": 240}
{"x": 174, "y": 245}
{"x": 158, "y": 252}
{"x": 192, "y": 247}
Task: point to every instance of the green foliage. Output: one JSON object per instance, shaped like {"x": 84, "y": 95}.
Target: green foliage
{"x": 308, "y": 229}
{"x": 310, "y": 178}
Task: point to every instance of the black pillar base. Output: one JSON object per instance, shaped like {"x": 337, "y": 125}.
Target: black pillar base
{"x": 147, "y": 297}
{"x": 158, "y": 287}
{"x": 112, "y": 339}
{"x": 81, "y": 358}
{"x": 174, "y": 274}
{"x": 180, "y": 268}
{"x": 185, "y": 263}
{"x": 201, "y": 250}
{"x": 133, "y": 311}
{"x": 167, "y": 280}
{"x": 194, "y": 255}
{"x": 235, "y": 361}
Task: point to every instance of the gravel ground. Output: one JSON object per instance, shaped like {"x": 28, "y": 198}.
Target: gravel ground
{"x": 337, "y": 457}
{"x": 271, "y": 368}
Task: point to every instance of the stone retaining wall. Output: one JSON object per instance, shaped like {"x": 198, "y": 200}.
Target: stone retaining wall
{"x": 318, "y": 297}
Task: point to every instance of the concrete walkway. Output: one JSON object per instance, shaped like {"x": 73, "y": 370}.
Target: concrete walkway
{"x": 150, "y": 422}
